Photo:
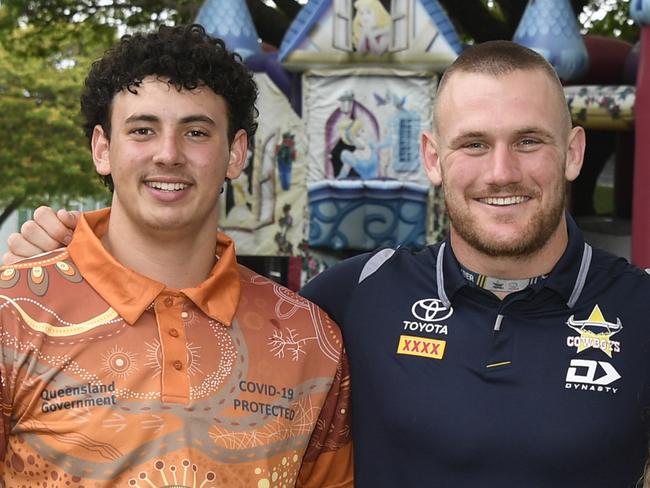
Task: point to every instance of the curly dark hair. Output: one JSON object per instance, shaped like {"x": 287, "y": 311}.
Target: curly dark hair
{"x": 186, "y": 57}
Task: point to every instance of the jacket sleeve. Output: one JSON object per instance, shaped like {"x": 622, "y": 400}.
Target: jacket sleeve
{"x": 328, "y": 460}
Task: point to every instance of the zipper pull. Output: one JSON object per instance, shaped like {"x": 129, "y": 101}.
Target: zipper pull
{"x": 497, "y": 323}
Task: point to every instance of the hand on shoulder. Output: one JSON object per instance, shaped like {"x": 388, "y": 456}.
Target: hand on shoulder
{"x": 47, "y": 231}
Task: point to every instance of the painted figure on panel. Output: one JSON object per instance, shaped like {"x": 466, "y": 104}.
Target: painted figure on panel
{"x": 371, "y": 27}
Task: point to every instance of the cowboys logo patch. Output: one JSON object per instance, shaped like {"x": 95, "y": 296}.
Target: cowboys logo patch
{"x": 594, "y": 332}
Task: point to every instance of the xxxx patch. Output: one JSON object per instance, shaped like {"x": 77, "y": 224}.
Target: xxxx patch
{"x": 421, "y": 346}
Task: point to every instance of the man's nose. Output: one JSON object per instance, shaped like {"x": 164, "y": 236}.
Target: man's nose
{"x": 505, "y": 167}
{"x": 169, "y": 151}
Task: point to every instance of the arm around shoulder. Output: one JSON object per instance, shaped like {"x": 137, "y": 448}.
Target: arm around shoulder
{"x": 48, "y": 231}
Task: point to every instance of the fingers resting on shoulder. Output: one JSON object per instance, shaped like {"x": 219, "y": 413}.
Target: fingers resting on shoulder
{"x": 48, "y": 230}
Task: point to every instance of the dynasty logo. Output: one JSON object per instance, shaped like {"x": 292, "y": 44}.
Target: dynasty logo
{"x": 588, "y": 375}
{"x": 594, "y": 332}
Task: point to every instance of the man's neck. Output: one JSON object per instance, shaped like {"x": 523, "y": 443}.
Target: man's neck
{"x": 538, "y": 263}
{"x": 178, "y": 261}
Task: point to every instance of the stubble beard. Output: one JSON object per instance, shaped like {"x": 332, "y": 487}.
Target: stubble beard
{"x": 536, "y": 234}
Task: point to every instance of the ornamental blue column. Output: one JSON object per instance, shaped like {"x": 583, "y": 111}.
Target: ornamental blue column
{"x": 550, "y": 28}
{"x": 640, "y": 12}
{"x": 231, "y": 21}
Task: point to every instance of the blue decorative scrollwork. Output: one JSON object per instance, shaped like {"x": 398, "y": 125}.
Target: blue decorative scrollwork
{"x": 367, "y": 214}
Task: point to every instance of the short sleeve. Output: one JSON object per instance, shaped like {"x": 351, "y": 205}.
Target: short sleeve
{"x": 327, "y": 463}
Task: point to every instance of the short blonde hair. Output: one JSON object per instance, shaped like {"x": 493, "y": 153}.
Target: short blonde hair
{"x": 499, "y": 58}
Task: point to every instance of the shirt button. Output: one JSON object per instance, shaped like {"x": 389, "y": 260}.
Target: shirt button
{"x": 168, "y": 302}
{"x": 178, "y": 365}
{"x": 184, "y": 315}
{"x": 173, "y": 332}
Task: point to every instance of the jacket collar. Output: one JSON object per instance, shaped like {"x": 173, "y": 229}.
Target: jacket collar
{"x": 567, "y": 277}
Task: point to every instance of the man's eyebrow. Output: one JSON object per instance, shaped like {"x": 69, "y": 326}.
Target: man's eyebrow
{"x": 197, "y": 118}
{"x": 465, "y": 136}
{"x": 141, "y": 118}
{"x": 535, "y": 131}
{"x": 154, "y": 118}
{"x": 532, "y": 130}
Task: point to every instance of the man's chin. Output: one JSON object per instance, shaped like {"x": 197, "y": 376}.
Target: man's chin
{"x": 515, "y": 244}
{"x": 506, "y": 249}
{"x": 502, "y": 240}
{"x": 164, "y": 221}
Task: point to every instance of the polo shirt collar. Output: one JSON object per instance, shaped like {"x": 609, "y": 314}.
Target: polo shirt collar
{"x": 569, "y": 274}
{"x": 130, "y": 293}
{"x": 567, "y": 277}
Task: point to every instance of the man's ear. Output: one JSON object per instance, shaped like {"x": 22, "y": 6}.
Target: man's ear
{"x": 575, "y": 153}
{"x": 100, "y": 145}
{"x": 238, "y": 154}
{"x": 431, "y": 158}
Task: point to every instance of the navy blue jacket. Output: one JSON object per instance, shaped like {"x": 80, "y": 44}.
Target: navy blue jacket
{"x": 452, "y": 387}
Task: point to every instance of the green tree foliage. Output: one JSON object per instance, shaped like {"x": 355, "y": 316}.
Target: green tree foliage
{"x": 44, "y": 156}
{"x": 133, "y": 13}
{"x": 610, "y": 18}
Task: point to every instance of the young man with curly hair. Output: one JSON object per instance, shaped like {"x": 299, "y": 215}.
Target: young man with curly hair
{"x": 142, "y": 354}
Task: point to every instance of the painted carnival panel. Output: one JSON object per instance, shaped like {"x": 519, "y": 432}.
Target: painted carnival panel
{"x": 366, "y": 124}
{"x": 366, "y": 184}
{"x": 264, "y": 209}
{"x": 405, "y": 32}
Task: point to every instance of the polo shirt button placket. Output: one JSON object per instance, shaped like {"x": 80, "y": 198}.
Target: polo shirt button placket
{"x": 500, "y": 355}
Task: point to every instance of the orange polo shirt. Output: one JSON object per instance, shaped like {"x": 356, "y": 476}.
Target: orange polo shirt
{"x": 109, "y": 378}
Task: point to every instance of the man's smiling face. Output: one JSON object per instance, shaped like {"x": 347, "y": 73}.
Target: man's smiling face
{"x": 168, "y": 155}
{"x": 502, "y": 155}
